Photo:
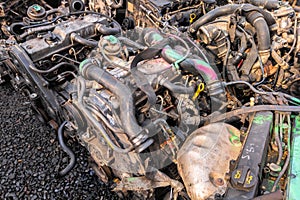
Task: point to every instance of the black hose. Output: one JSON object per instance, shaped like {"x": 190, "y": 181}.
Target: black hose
{"x": 17, "y": 28}
{"x": 177, "y": 88}
{"x": 240, "y": 54}
{"x": 257, "y": 20}
{"x": 113, "y": 29}
{"x": 35, "y": 30}
{"x": 66, "y": 149}
{"x": 83, "y": 41}
{"x": 212, "y": 15}
{"x": 251, "y": 58}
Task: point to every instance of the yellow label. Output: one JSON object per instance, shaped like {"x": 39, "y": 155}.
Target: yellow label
{"x": 249, "y": 179}
{"x": 130, "y": 7}
{"x": 238, "y": 174}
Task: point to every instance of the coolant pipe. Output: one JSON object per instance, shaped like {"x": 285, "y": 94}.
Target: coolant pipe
{"x": 90, "y": 71}
{"x": 66, "y": 149}
{"x": 203, "y": 68}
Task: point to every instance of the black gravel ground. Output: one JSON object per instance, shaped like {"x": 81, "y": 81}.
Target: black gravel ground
{"x": 30, "y": 156}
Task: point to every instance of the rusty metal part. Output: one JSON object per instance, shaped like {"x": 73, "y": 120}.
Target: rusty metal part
{"x": 264, "y": 56}
{"x": 155, "y": 179}
{"x": 203, "y": 160}
{"x": 270, "y": 69}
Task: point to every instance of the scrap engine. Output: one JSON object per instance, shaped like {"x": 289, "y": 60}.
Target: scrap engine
{"x": 173, "y": 99}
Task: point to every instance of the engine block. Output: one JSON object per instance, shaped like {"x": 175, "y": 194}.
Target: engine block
{"x": 174, "y": 99}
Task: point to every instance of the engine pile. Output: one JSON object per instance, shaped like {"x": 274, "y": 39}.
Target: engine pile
{"x": 173, "y": 99}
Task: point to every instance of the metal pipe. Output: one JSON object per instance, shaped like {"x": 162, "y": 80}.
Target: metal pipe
{"x": 277, "y": 139}
{"x": 287, "y": 160}
{"x": 245, "y": 110}
{"x": 33, "y": 68}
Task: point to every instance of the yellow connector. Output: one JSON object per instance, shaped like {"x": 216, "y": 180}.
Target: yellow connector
{"x": 199, "y": 90}
{"x": 192, "y": 17}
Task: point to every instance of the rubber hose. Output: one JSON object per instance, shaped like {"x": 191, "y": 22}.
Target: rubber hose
{"x": 178, "y": 88}
{"x": 113, "y": 29}
{"x": 256, "y": 19}
{"x": 212, "y": 15}
{"x": 66, "y": 149}
{"x": 17, "y": 28}
{"x": 192, "y": 65}
{"x": 83, "y": 41}
{"x": 35, "y": 30}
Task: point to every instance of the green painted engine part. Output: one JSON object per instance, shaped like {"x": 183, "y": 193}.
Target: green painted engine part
{"x": 293, "y": 192}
